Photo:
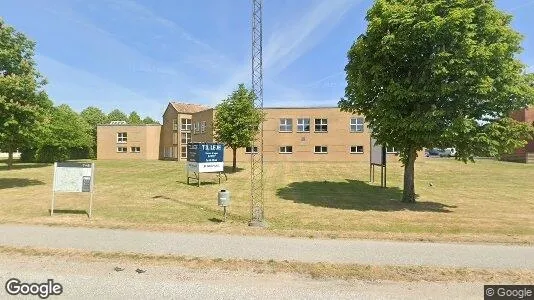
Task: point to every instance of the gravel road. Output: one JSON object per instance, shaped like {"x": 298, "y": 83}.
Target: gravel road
{"x": 98, "y": 280}
{"x": 276, "y": 248}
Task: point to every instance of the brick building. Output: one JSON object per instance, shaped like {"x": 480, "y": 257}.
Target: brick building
{"x": 525, "y": 154}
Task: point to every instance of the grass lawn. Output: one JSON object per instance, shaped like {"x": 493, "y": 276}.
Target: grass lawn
{"x": 488, "y": 201}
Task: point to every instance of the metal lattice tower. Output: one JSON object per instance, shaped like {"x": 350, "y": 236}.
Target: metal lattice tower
{"x": 256, "y": 170}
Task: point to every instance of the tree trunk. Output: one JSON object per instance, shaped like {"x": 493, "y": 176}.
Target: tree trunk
{"x": 234, "y": 161}
{"x": 9, "y": 157}
{"x": 408, "y": 195}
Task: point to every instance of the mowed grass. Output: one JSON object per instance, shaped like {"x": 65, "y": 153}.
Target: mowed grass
{"x": 488, "y": 201}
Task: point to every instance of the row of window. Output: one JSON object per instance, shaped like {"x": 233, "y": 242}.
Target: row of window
{"x": 286, "y": 125}
{"x": 132, "y": 149}
{"x": 316, "y": 149}
{"x": 185, "y": 137}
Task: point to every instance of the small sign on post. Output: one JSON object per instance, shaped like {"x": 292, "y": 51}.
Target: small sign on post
{"x": 73, "y": 177}
{"x": 378, "y": 158}
{"x": 204, "y": 158}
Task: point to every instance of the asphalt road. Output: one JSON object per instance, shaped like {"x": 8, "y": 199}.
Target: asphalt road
{"x": 276, "y": 248}
{"x": 98, "y": 280}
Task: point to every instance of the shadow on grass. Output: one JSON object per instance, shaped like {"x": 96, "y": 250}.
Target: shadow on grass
{"x": 215, "y": 220}
{"x": 194, "y": 183}
{"x": 230, "y": 170}
{"x": 6, "y": 183}
{"x": 21, "y": 166}
{"x": 70, "y": 212}
{"x": 354, "y": 195}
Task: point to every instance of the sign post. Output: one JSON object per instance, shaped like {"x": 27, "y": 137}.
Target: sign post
{"x": 204, "y": 158}
{"x": 378, "y": 158}
{"x": 73, "y": 177}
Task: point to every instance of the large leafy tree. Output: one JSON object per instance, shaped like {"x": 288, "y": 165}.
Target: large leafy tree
{"x": 438, "y": 73}
{"x": 149, "y": 120}
{"x": 237, "y": 121}
{"x": 22, "y": 100}
{"x": 117, "y": 115}
{"x": 65, "y": 134}
{"x": 134, "y": 118}
{"x": 93, "y": 116}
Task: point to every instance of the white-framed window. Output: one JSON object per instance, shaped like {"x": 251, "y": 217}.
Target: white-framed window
{"x": 356, "y": 149}
{"x": 185, "y": 138}
{"x": 286, "y": 149}
{"x": 391, "y": 150}
{"x": 320, "y": 149}
{"x": 122, "y": 137}
{"x": 303, "y": 125}
{"x": 175, "y": 138}
{"x": 356, "y": 124}
{"x": 185, "y": 124}
{"x": 175, "y": 124}
{"x": 321, "y": 125}
{"x": 203, "y": 127}
{"x": 286, "y": 125}
{"x": 167, "y": 152}
{"x": 122, "y": 149}
{"x": 183, "y": 152}
{"x": 248, "y": 150}
{"x": 135, "y": 149}
{"x": 196, "y": 127}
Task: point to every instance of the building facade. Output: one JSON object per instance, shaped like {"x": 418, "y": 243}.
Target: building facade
{"x": 122, "y": 141}
{"x": 300, "y": 134}
{"x": 526, "y": 153}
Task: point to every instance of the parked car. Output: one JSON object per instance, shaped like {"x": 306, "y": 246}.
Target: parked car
{"x": 448, "y": 152}
{"x": 433, "y": 152}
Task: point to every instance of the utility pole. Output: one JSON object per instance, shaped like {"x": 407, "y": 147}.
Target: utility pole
{"x": 256, "y": 169}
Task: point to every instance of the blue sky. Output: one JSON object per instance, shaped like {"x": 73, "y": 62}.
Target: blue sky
{"x": 141, "y": 54}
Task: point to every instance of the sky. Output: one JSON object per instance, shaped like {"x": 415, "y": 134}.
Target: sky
{"x": 137, "y": 55}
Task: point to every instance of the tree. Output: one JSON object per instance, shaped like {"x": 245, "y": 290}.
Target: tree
{"x": 134, "y": 118}
{"x": 438, "y": 74}
{"x": 237, "y": 121}
{"x": 93, "y": 116}
{"x": 117, "y": 115}
{"x": 22, "y": 100}
{"x": 66, "y": 134}
{"x": 149, "y": 120}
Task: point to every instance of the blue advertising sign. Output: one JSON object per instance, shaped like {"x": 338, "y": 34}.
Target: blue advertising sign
{"x": 205, "y": 157}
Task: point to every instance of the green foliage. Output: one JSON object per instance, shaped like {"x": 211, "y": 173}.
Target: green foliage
{"x": 93, "y": 116}
{"x": 438, "y": 74}
{"x": 149, "y": 120}
{"x": 134, "y": 118}
{"x": 237, "y": 120}
{"x": 116, "y": 115}
{"x": 22, "y": 101}
{"x": 66, "y": 135}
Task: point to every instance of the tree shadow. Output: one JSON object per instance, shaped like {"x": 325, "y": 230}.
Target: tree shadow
{"x": 6, "y": 183}
{"x": 230, "y": 170}
{"x": 21, "y": 166}
{"x": 70, "y": 212}
{"x": 354, "y": 195}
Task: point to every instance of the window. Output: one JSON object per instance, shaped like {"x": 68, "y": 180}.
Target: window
{"x": 196, "y": 127}
{"x": 175, "y": 124}
{"x": 122, "y": 149}
{"x": 303, "y": 125}
{"x": 391, "y": 150}
{"x": 186, "y": 124}
{"x": 203, "y": 127}
{"x": 356, "y": 149}
{"x": 286, "y": 125}
{"x": 321, "y": 125}
{"x": 183, "y": 153}
{"x": 248, "y": 150}
{"x": 168, "y": 152}
{"x": 356, "y": 124}
{"x": 286, "y": 149}
{"x": 122, "y": 137}
{"x": 135, "y": 149}
{"x": 175, "y": 138}
{"x": 185, "y": 138}
{"x": 321, "y": 149}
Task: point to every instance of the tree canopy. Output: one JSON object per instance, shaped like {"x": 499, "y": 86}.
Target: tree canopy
{"x": 438, "y": 74}
{"x": 237, "y": 120}
{"x": 93, "y": 116}
{"x": 149, "y": 120}
{"x": 134, "y": 118}
{"x": 23, "y": 102}
{"x": 117, "y": 115}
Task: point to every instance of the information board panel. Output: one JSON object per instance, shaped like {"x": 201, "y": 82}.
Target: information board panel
{"x": 73, "y": 177}
{"x": 205, "y": 157}
{"x": 378, "y": 153}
